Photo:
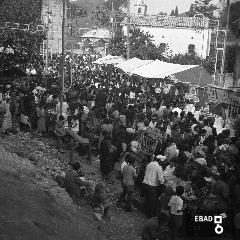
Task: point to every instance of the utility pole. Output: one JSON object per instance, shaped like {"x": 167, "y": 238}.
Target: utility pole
{"x": 63, "y": 57}
{"x": 47, "y": 42}
{"x": 128, "y": 28}
{"x": 112, "y": 19}
{"x": 216, "y": 54}
{"x": 225, "y": 39}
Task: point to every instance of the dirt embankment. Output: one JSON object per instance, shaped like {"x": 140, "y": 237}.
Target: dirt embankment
{"x": 33, "y": 206}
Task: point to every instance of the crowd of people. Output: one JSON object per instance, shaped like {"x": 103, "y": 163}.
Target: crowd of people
{"x": 159, "y": 138}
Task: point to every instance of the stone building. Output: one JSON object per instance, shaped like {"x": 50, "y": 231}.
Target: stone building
{"x": 180, "y": 34}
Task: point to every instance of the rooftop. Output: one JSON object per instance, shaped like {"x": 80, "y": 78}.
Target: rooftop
{"x": 167, "y": 21}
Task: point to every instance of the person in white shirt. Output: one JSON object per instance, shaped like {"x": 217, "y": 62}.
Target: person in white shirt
{"x": 176, "y": 209}
{"x": 49, "y": 98}
{"x": 143, "y": 126}
{"x": 162, "y": 107}
{"x": 178, "y": 110}
{"x": 172, "y": 151}
{"x": 153, "y": 181}
{"x": 75, "y": 124}
{"x": 158, "y": 90}
{"x": 169, "y": 171}
{"x": 132, "y": 95}
{"x": 189, "y": 108}
{"x": 197, "y": 113}
{"x": 218, "y": 124}
{"x": 153, "y": 122}
{"x": 207, "y": 128}
{"x": 64, "y": 110}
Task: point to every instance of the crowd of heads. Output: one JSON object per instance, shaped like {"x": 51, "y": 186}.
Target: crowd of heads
{"x": 190, "y": 140}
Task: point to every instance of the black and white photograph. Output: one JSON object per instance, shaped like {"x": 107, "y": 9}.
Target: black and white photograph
{"x": 119, "y": 119}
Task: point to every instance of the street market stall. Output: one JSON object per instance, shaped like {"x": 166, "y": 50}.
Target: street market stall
{"x": 193, "y": 76}
{"x": 230, "y": 97}
{"x": 160, "y": 69}
{"x": 130, "y": 65}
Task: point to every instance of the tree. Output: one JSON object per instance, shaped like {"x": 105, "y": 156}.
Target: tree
{"x": 20, "y": 11}
{"x": 194, "y": 59}
{"x": 140, "y": 43}
{"x": 190, "y": 12}
{"x": 176, "y": 12}
{"x": 142, "y": 46}
{"x": 117, "y": 45}
{"x": 116, "y": 4}
{"x": 172, "y": 13}
{"x": 26, "y": 45}
{"x": 204, "y": 7}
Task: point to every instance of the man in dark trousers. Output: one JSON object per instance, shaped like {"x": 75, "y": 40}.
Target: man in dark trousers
{"x": 101, "y": 99}
{"x": 153, "y": 181}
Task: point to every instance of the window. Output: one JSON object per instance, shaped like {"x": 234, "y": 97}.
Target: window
{"x": 191, "y": 48}
{"x": 139, "y": 10}
{"x": 163, "y": 47}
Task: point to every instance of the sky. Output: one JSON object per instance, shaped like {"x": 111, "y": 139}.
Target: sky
{"x": 156, "y": 6}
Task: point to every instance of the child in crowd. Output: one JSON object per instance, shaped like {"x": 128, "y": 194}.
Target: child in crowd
{"x": 100, "y": 205}
{"x": 176, "y": 208}
{"x": 128, "y": 181}
{"x": 60, "y": 131}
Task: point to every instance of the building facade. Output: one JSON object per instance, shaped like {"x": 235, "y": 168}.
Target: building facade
{"x": 179, "y": 34}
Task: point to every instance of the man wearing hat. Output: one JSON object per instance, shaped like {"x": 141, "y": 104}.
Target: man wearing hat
{"x": 153, "y": 122}
{"x": 152, "y": 182}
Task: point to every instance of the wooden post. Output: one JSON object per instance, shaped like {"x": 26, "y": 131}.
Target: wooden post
{"x": 71, "y": 160}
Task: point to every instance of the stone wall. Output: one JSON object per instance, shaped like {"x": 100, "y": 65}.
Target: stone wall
{"x": 179, "y": 39}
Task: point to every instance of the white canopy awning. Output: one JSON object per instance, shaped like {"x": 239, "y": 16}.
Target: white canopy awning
{"x": 109, "y": 59}
{"x": 159, "y": 69}
{"x": 130, "y": 65}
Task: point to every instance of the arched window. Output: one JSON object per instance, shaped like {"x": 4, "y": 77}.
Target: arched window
{"x": 163, "y": 47}
{"x": 191, "y": 48}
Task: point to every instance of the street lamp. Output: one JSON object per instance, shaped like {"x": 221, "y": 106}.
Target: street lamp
{"x": 63, "y": 55}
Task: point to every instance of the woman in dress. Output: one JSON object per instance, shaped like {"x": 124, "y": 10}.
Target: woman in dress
{"x": 105, "y": 156}
{"x": 6, "y": 116}
{"x": 41, "y": 123}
